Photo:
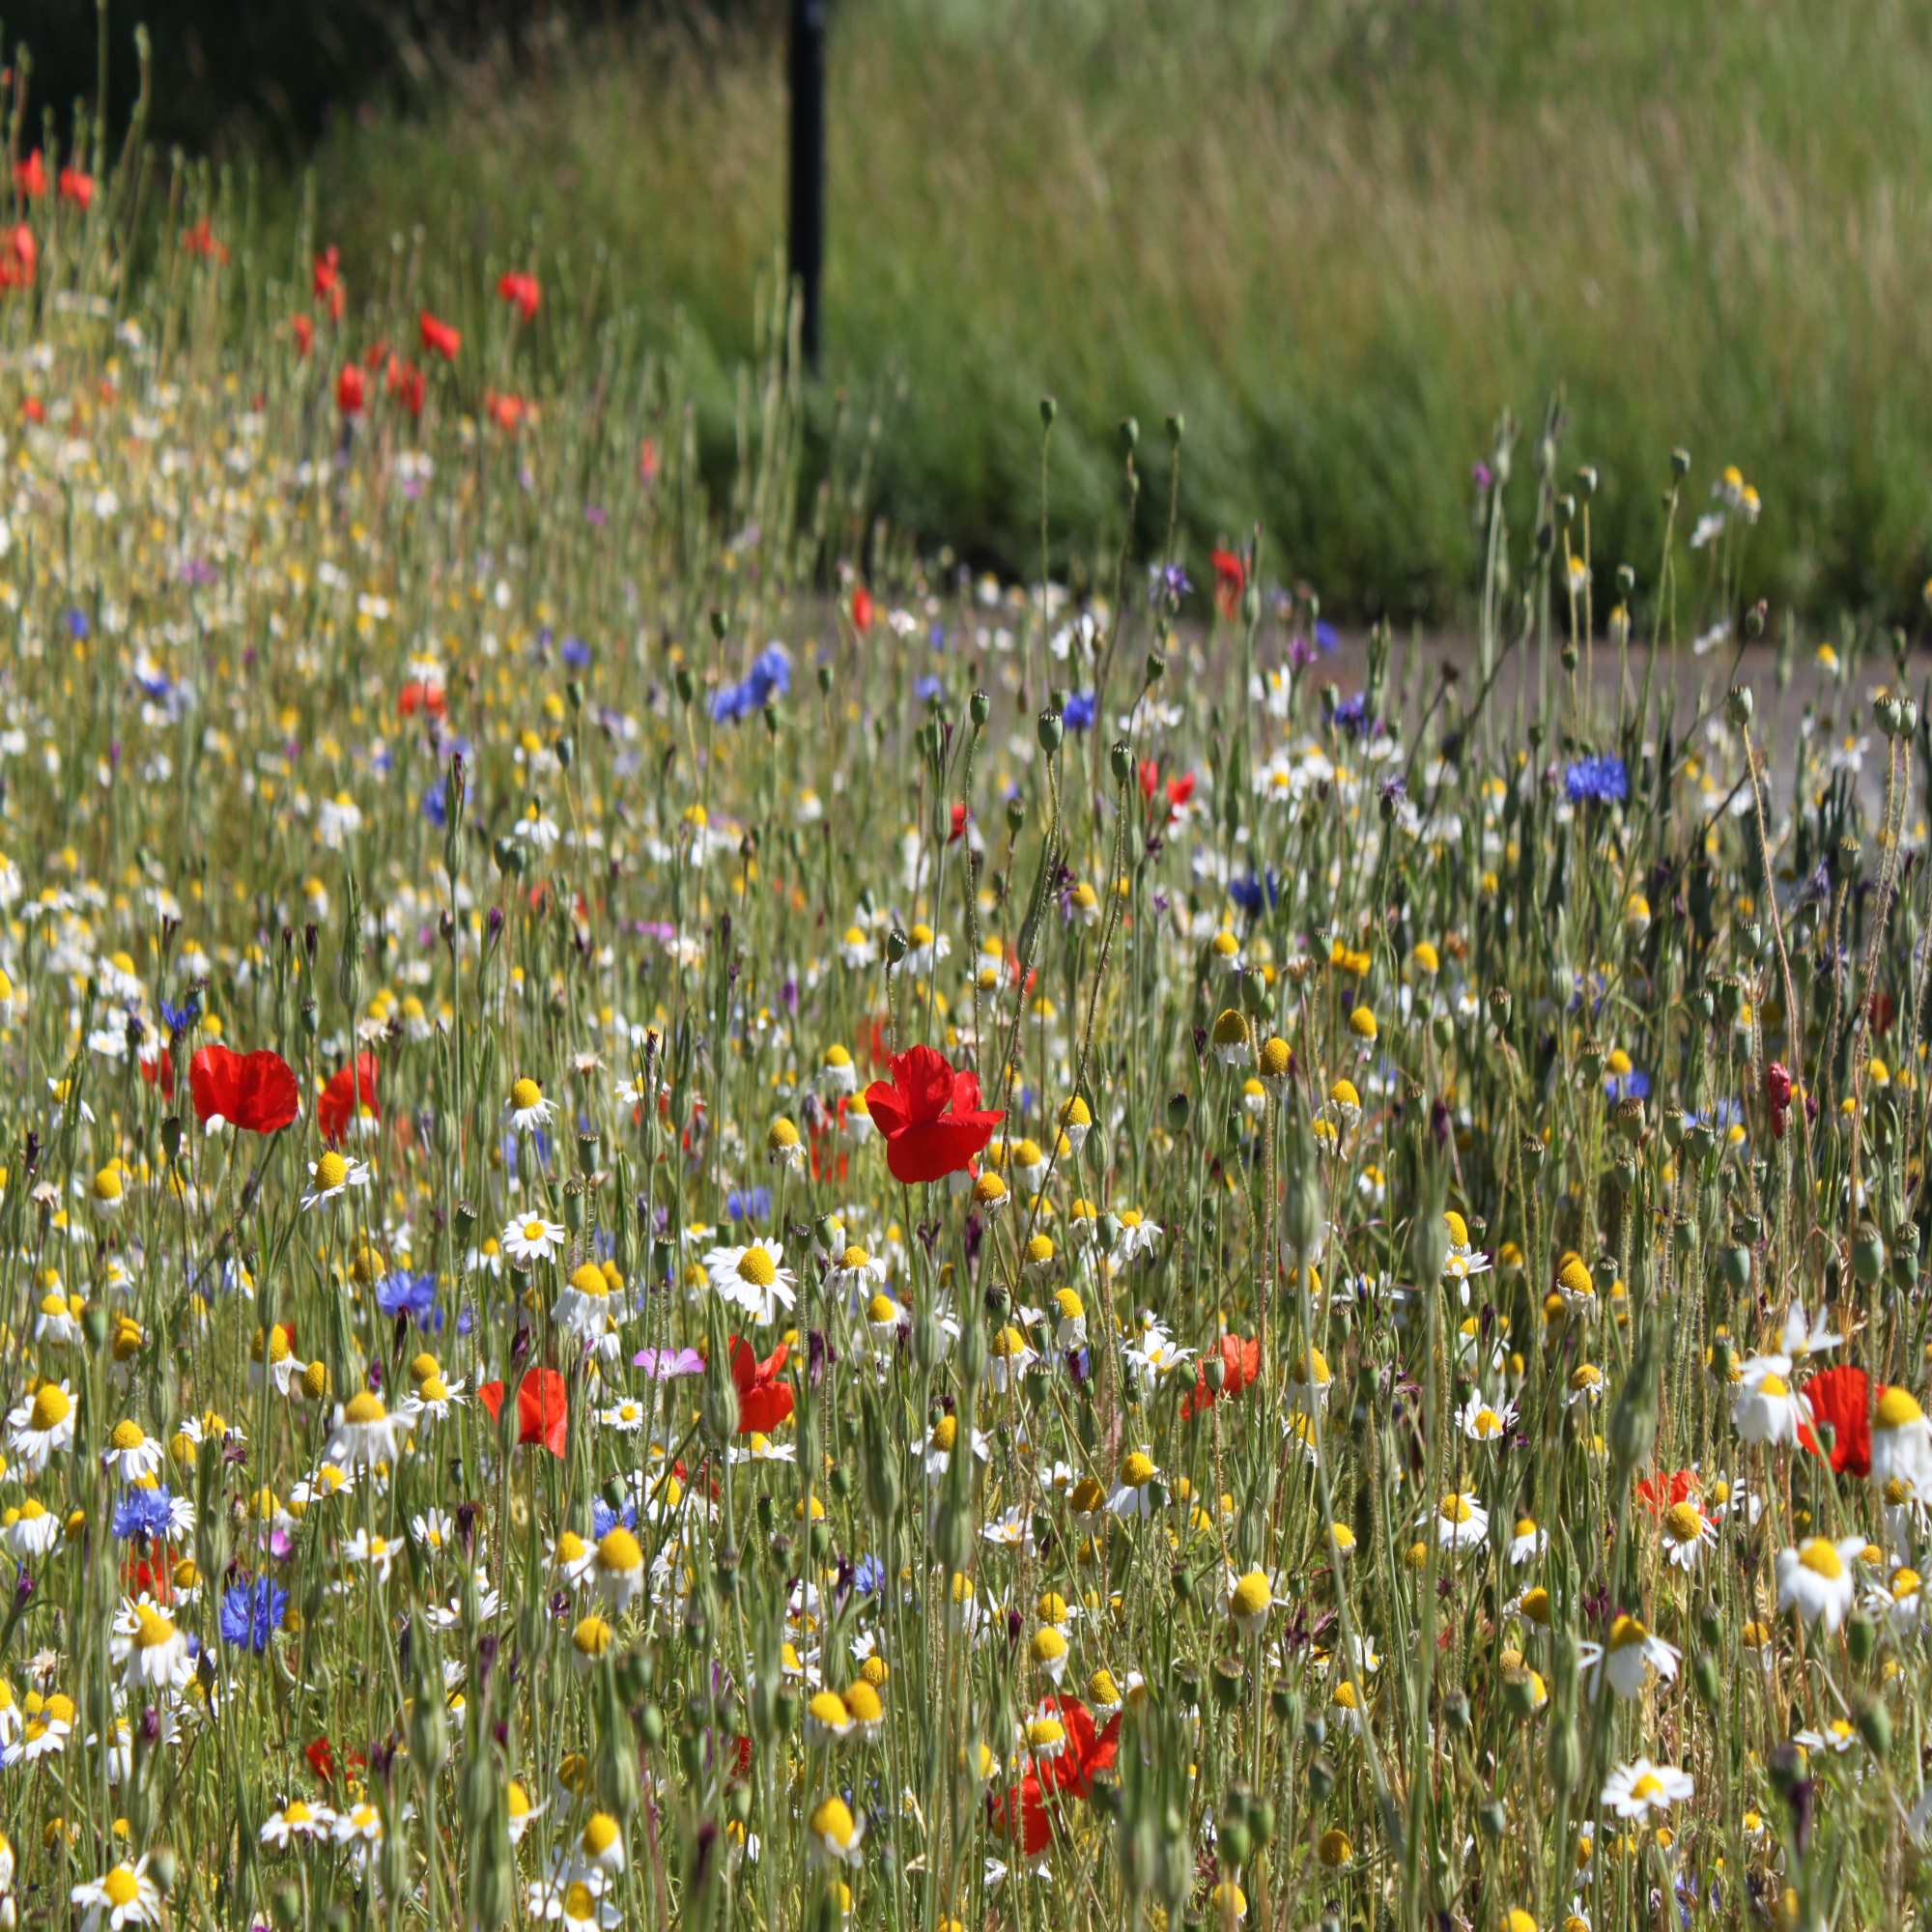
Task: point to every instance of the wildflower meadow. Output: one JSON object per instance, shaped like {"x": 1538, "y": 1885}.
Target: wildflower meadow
{"x": 708, "y": 1221}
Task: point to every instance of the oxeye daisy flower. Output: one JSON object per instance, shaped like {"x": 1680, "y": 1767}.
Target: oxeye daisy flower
{"x": 1767, "y": 1409}
{"x": 333, "y": 1174}
{"x": 296, "y": 1822}
{"x": 1585, "y": 1385}
{"x": 1482, "y": 1421}
{"x": 584, "y": 1305}
{"x": 1815, "y": 1580}
{"x": 1626, "y": 1657}
{"x": 1901, "y": 1443}
{"x": 151, "y": 1652}
{"x": 28, "y": 1529}
{"x": 620, "y": 1567}
{"x": 837, "y": 1074}
{"x": 366, "y": 1433}
{"x": 600, "y": 1846}
{"x": 132, "y": 1453}
{"x": 834, "y": 1834}
{"x": 124, "y": 1895}
{"x": 530, "y": 1239}
{"x": 42, "y": 1426}
{"x": 1686, "y": 1533}
{"x": 1637, "y": 1789}
{"x": 528, "y": 1108}
{"x": 753, "y": 1278}
{"x": 1528, "y": 1539}
{"x": 1135, "y": 1494}
{"x": 1250, "y": 1599}
{"x": 1460, "y": 1520}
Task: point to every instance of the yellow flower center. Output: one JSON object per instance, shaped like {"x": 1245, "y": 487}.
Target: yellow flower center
{"x": 1685, "y": 1521}
{"x": 128, "y": 1435}
{"x": 525, "y": 1095}
{"x": 600, "y": 1835}
{"x": 52, "y": 1407}
{"x": 1456, "y": 1508}
{"x": 1822, "y": 1560}
{"x": 331, "y": 1171}
{"x": 1895, "y": 1409}
{"x": 1253, "y": 1593}
{"x": 154, "y": 1630}
{"x": 364, "y": 1406}
{"x": 833, "y": 1819}
{"x": 121, "y": 1887}
{"x": 1649, "y": 1785}
{"x": 1137, "y": 1470}
{"x": 756, "y": 1266}
{"x": 619, "y": 1550}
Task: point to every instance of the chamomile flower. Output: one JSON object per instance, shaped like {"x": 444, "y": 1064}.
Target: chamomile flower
{"x": 528, "y": 1108}
{"x": 1641, "y": 1788}
{"x": 1815, "y": 1580}
{"x": 1626, "y": 1657}
{"x": 753, "y": 1279}
{"x": 530, "y": 1239}
{"x": 333, "y": 1175}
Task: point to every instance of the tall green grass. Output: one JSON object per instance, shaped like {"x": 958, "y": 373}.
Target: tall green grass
{"x": 1337, "y": 236}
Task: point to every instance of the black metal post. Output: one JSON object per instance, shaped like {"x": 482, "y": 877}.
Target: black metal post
{"x": 808, "y": 165}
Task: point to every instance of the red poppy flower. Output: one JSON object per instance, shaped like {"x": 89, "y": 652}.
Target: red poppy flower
{"x": 1088, "y": 1752}
{"x": 1843, "y": 1398}
{"x": 1021, "y": 1815}
{"x": 200, "y": 241}
{"x": 543, "y": 1408}
{"x": 418, "y": 696}
{"x": 440, "y": 338}
{"x": 524, "y": 291}
{"x": 1178, "y": 790}
{"x": 1231, "y": 579}
{"x": 255, "y": 1092}
{"x": 930, "y": 1117}
{"x": 320, "y": 1755}
{"x": 76, "y": 187}
{"x": 349, "y": 1087}
{"x": 160, "y": 1071}
{"x": 1658, "y": 1493}
{"x": 408, "y": 385}
{"x": 303, "y": 329}
{"x": 960, "y": 817}
{"x": 30, "y": 176}
{"x": 34, "y": 409}
{"x": 351, "y": 390}
{"x": 1242, "y": 1367}
{"x": 763, "y": 1399}
{"x": 21, "y": 261}
{"x": 328, "y": 285}
{"x": 507, "y": 413}
{"x": 862, "y": 607}
{"x": 648, "y": 461}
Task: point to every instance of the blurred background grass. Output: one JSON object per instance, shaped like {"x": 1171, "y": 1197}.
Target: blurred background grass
{"x": 1338, "y": 235}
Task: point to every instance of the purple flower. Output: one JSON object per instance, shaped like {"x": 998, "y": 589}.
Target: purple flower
{"x": 1602, "y": 781}
{"x": 662, "y": 1364}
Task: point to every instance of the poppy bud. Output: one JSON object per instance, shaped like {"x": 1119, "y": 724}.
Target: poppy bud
{"x": 1680, "y": 463}
{"x": 1048, "y": 410}
{"x": 1120, "y": 761}
{"x": 981, "y": 707}
{"x": 1860, "y": 1637}
{"x": 171, "y": 1136}
{"x": 718, "y": 625}
{"x": 1156, "y": 668}
{"x": 1178, "y": 1108}
{"x": 1050, "y": 728}
{"x": 684, "y": 684}
{"x": 897, "y": 945}
{"x": 1015, "y": 814}
{"x": 1237, "y": 1843}
{"x": 1874, "y": 1725}
{"x": 1320, "y": 1780}
{"x": 1177, "y": 427}
{"x": 1704, "y": 1675}
{"x": 1566, "y": 1755}
{"x": 284, "y": 1905}
{"x": 1130, "y": 435}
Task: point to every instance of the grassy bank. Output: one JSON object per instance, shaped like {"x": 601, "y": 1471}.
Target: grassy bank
{"x": 1339, "y": 241}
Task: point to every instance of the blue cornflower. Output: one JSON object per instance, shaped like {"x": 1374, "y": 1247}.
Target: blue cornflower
{"x": 868, "y": 1574}
{"x": 411, "y": 1294}
{"x": 436, "y": 805}
{"x": 144, "y": 1513}
{"x": 1327, "y": 639}
{"x": 1082, "y": 707}
{"x": 177, "y": 1019}
{"x": 1250, "y": 892}
{"x": 1632, "y": 1086}
{"x": 748, "y": 1204}
{"x": 604, "y": 1519}
{"x": 251, "y": 1613}
{"x": 1167, "y": 585}
{"x": 77, "y": 626}
{"x": 1351, "y": 715}
{"x": 1602, "y": 781}
{"x": 930, "y": 689}
{"x": 575, "y": 653}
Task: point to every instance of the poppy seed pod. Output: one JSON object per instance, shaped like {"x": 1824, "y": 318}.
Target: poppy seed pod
{"x": 1050, "y": 728}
